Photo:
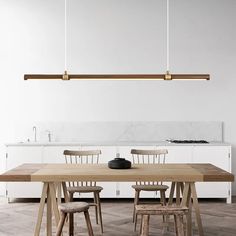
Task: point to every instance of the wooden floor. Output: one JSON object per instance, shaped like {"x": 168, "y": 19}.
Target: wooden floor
{"x": 18, "y": 219}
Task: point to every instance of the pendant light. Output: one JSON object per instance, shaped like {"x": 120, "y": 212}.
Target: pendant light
{"x": 167, "y": 76}
{"x": 65, "y": 76}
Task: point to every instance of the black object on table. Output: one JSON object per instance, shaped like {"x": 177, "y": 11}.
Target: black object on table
{"x": 119, "y": 163}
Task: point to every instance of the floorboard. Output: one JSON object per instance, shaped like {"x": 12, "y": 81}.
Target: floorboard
{"x": 18, "y": 219}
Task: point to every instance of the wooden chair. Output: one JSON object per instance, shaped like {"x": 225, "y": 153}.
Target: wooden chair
{"x": 80, "y": 158}
{"x": 148, "y": 157}
{"x": 146, "y": 210}
{"x": 71, "y": 208}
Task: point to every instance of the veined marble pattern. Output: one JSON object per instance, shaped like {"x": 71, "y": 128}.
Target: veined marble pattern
{"x": 18, "y": 219}
{"x": 146, "y": 131}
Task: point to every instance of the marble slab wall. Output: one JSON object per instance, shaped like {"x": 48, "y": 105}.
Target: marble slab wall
{"x": 122, "y": 131}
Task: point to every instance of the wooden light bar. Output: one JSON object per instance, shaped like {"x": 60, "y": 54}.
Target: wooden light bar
{"x": 117, "y": 76}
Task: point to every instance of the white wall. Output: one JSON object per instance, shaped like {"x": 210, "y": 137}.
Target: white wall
{"x": 117, "y": 36}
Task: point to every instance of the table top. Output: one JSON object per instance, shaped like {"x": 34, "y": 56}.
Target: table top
{"x": 101, "y": 172}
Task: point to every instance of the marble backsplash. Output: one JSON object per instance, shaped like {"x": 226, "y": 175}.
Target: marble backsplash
{"x": 120, "y": 131}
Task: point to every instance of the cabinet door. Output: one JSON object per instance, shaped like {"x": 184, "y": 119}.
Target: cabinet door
{"x": 178, "y": 154}
{"x": 218, "y": 156}
{"x": 54, "y": 154}
{"x": 17, "y": 156}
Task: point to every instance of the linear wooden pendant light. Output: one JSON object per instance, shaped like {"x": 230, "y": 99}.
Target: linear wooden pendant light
{"x": 118, "y": 76}
{"x": 166, "y": 76}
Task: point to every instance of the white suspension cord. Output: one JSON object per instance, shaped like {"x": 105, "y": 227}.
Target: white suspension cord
{"x": 65, "y": 35}
{"x": 167, "y": 36}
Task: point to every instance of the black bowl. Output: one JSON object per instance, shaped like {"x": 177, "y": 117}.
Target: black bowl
{"x": 119, "y": 163}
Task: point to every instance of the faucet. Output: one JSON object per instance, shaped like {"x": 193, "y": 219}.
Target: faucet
{"x": 35, "y": 133}
{"x": 49, "y": 135}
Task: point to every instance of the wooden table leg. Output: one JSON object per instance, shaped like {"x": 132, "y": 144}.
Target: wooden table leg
{"x": 48, "y": 193}
{"x": 66, "y": 196}
{"x": 196, "y": 208}
{"x": 182, "y": 187}
{"x": 41, "y": 207}
{"x": 185, "y": 194}
{"x": 172, "y": 190}
{"x": 185, "y": 202}
{"x": 49, "y": 214}
{"x": 178, "y": 193}
{"x": 189, "y": 216}
{"x": 58, "y": 193}
{"x": 179, "y": 186}
{"x": 189, "y": 195}
{"x": 54, "y": 202}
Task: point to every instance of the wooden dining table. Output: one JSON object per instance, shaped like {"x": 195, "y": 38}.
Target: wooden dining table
{"x": 54, "y": 176}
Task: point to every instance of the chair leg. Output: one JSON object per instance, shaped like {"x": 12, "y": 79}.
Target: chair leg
{"x": 61, "y": 224}
{"x": 179, "y": 225}
{"x": 163, "y": 202}
{"x": 71, "y": 224}
{"x": 71, "y": 194}
{"x": 145, "y": 225}
{"x": 71, "y": 217}
{"x": 88, "y": 222}
{"x": 163, "y": 197}
{"x": 175, "y": 220}
{"x": 135, "y": 203}
{"x": 141, "y": 225}
{"x": 96, "y": 206}
{"x": 99, "y": 211}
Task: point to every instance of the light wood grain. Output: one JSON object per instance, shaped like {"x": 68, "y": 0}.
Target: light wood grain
{"x": 154, "y": 157}
{"x": 82, "y": 153}
{"x": 41, "y": 207}
{"x": 21, "y": 173}
{"x": 100, "y": 172}
{"x": 147, "y": 210}
{"x": 81, "y": 158}
{"x": 156, "y": 209}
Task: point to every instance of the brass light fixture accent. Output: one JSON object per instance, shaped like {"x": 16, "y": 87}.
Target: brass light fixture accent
{"x": 167, "y": 76}
{"x": 65, "y": 76}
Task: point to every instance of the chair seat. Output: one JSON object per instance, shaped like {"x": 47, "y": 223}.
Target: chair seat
{"x": 85, "y": 189}
{"x": 150, "y": 187}
{"x": 155, "y": 209}
{"x": 73, "y": 207}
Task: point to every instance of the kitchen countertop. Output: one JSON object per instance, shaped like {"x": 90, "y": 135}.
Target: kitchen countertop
{"x": 115, "y": 143}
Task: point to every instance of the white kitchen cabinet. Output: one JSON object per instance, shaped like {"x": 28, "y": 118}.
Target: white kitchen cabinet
{"x": 219, "y": 156}
{"x": 178, "y": 154}
{"x": 16, "y": 156}
{"x": 54, "y": 154}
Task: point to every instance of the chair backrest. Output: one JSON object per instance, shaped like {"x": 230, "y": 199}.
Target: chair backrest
{"x": 80, "y": 158}
{"x": 149, "y": 157}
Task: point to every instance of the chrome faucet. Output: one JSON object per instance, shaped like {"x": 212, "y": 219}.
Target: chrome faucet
{"x": 49, "y": 135}
{"x": 35, "y": 133}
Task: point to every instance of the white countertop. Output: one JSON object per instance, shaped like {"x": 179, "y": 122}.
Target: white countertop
{"x": 114, "y": 143}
